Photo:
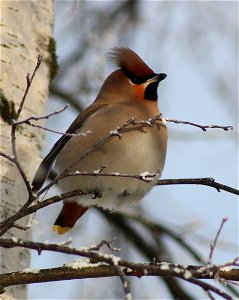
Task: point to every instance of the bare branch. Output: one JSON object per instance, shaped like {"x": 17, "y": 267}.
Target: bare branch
{"x": 94, "y": 270}
{"x": 213, "y": 244}
{"x": 57, "y": 198}
{"x": 125, "y": 282}
{"x": 208, "y": 181}
{"x": 14, "y": 125}
{"x": 29, "y": 82}
{"x": 200, "y": 272}
{"x": 208, "y": 287}
{"x": 6, "y": 224}
{"x": 203, "y": 127}
{"x": 20, "y": 227}
{"x": 189, "y": 273}
{"x": 14, "y": 159}
{"x": 210, "y": 295}
{"x": 104, "y": 242}
{"x": 57, "y": 132}
{"x": 148, "y": 177}
{"x": 113, "y": 133}
{"x": 145, "y": 176}
{"x": 8, "y": 156}
{"x": 35, "y": 118}
{"x": 117, "y": 132}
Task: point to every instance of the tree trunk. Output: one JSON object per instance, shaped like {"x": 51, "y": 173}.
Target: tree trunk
{"x": 26, "y": 32}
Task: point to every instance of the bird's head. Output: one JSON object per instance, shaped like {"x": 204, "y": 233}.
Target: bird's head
{"x": 133, "y": 80}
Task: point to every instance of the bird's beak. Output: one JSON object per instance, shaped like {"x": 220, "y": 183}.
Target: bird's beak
{"x": 161, "y": 76}
{"x": 157, "y": 78}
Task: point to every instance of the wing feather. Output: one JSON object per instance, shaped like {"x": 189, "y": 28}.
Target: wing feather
{"x": 45, "y": 167}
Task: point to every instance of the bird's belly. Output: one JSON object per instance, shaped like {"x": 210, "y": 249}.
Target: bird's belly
{"x": 134, "y": 154}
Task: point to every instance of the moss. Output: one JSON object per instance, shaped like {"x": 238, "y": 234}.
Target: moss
{"x": 52, "y": 60}
{"x": 7, "y": 109}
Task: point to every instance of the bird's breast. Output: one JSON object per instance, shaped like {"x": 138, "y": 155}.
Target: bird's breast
{"x": 140, "y": 149}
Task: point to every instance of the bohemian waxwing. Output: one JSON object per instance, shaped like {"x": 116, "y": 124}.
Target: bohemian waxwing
{"x": 130, "y": 91}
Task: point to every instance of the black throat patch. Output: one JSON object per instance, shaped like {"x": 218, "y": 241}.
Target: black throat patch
{"x": 151, "y": 92}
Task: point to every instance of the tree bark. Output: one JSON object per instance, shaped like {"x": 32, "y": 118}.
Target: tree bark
{"x": 26, "y": 32}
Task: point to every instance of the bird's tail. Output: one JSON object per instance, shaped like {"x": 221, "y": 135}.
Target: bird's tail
{"x": 68, "y": 216}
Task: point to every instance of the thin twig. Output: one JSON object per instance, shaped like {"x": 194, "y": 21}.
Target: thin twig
{"x": 29, "y": 82}
{"x": 20, "y": 227}
{"x": 57, "y": 198}
{"x": 35, "y": 118}
{"x": 226, "y": 281}
{"x": 8, "y": 156}
{"x": 125, "y": 282}
{"x": 213, "y": 244}
{"x": 203, "y": 127}
{"x": 117, "y": 132}
{"x": 33, "y": 208}
{"x": 233, "y": 262}
{"x": 113, "y": 133}
{"x": 210, "y": 295}
{"x": 208, "y": 287}
{"x": 207, "y": 181}
{"x": 14, "y": 125}
{"x": 107, "y": 243}
{"x": 58, "y": 132}
{"x": 14, "y": 159}
{"x": 145, "y": 176}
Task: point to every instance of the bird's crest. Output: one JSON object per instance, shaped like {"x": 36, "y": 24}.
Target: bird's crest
{"x": 129, "y": 61}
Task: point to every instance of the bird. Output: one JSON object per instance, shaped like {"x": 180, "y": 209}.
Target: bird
{"x": 128, "y": 92}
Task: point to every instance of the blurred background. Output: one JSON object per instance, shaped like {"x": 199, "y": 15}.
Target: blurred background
{"x": 195, "y": 44}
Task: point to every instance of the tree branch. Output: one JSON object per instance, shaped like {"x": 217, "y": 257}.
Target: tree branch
{"x": 189, "y": 273}
{"x": 97, "y": 270}
{"x": 58, "y": 198}
{"x": 213, "y": 244}
{"x": 14, "y": 158}
{"x": 207, "y": 181}
{"x": 107, "y": 265}
{"x": 203, "y": 127}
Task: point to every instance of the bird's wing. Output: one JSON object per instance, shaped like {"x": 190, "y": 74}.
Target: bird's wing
{"x": 45, "y": 167}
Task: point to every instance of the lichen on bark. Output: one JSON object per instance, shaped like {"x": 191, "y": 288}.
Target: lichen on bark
{"x": 7, "y": 109}
{"x": 52, "y": 60}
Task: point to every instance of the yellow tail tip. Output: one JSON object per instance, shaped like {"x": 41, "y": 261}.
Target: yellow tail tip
{"x": 60, "y": 229}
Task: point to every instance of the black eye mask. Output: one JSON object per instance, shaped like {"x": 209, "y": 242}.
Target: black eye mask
{"x": 137, "y": 79}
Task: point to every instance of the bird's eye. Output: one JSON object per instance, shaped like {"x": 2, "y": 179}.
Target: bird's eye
{"x": 135, "y": 80}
